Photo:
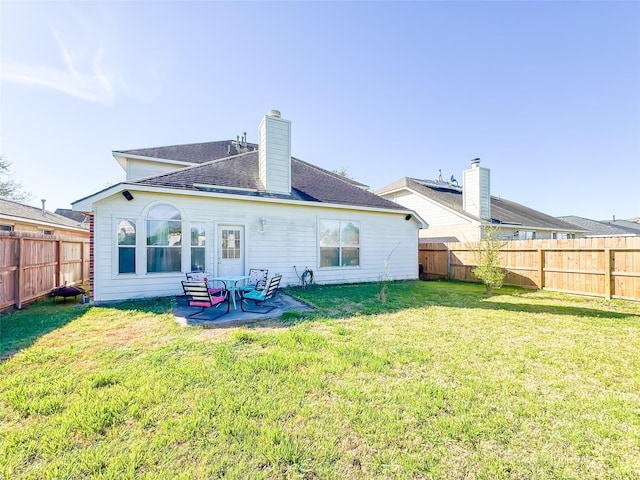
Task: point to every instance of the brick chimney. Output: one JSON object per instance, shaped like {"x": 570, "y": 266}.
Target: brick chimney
{"x": 476, "y": 190}
{"x": 274, "y": 153}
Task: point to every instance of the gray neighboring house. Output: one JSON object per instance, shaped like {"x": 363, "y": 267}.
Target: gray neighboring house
{"x": 462, "y": 213}
{"x": 18, "y": 217}
{"x": 605, "y": 228}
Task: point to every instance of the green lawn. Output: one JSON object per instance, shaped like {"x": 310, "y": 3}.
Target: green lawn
{"x": 439, "y": 381}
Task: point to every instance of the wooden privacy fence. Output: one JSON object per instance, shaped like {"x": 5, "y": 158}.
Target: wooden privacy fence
{"x": 604, "y": 267}
{"x": 33, "y": 265}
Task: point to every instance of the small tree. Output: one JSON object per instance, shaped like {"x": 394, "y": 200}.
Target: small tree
{"x": 343, "y": 172}
{"x": 385, "y": 278}
{"x": 11, "y": 189}
{"x": 487, "y": 252}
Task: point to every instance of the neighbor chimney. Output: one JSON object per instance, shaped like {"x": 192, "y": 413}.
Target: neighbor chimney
{"x": 43, "y": 202}
{"x": 275, "y": 153}
{"x": 476, "y": 190}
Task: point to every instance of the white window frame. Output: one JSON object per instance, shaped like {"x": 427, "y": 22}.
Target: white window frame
{"x": 136, "y": 225}
{"x": 341, "y": 222}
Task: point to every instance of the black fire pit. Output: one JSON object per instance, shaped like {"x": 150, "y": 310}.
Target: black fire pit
{"x": 66, "y": 291}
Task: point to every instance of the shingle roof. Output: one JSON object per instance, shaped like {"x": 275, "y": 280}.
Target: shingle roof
{"x": 193, "y": 152}
{"x": 502, "y": 211}
{"x": 595, "y": 228}
{"x": 79, "y": 217}
{"x": 628, "y": 225}
{"x": 309, "y": 183}
{"x": 199, "y": 153}
{"x": 10, "y": 208}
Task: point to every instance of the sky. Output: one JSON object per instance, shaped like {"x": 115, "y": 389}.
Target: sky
{"x": 547, "y": 94}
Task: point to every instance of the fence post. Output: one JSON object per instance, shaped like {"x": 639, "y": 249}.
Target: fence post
{"x": 607, "y": 273}
{"x": 18, "y": 279}
{"x": 59, "y": 263}
{"x": 82, "y": 262}
{"x": 448, "y": 263}
{"x": 540, "y": 268}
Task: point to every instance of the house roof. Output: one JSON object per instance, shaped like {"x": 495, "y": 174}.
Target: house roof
{"x": 79, "y": 217}
{"x": 502, "y": 211}
{"x": 233, "y": 173}
{"x": 594, "y": 228}
{"x": 629, "y": 225}
{"x": 199, "y": 153}
{"x": 192, "y": 152}
{"x": 10, "y": 210}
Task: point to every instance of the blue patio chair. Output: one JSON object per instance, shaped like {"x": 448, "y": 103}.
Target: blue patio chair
{"x": 259, "y": 297}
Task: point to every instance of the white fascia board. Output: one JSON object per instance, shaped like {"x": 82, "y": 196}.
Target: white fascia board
{"x": 86, "y": 204}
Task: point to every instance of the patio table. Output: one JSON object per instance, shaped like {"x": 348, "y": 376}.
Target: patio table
{"x": 231, "y": 284}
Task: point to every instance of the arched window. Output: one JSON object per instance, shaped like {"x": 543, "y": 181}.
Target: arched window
{"x": 164, "y": 239}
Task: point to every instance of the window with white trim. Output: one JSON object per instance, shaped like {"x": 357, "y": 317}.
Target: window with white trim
{"x": 164, "y": 239}
{"x": 562, "y": 235}
{"x": 339, "y": 243}
{"x": 198, "y": 238}
{"x": 6, "y": 228}
{"x": 126, "y": 245}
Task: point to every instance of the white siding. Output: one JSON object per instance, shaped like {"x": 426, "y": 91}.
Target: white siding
{"x": 476, "y": 192}
{"x": 289, "y": 239}
{"x": 433, "y": 213}
{"x": 275, "y": 154}
{"x": 142, "y": 168}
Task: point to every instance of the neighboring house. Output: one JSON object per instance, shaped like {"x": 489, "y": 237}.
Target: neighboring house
{"x": 18, "y": 217}
{"x": 594, "y": 228}
{"x": 462, "y": 214}
{"x": 631, "y": 225}
{"x": 224, "y": 207}
{"x": 79, "y": 217}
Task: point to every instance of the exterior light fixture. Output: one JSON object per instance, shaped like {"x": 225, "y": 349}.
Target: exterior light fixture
{"x": 263, "y": 222}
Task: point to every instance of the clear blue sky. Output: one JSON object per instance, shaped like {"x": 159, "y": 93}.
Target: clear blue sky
{"x": 547, "y": 94}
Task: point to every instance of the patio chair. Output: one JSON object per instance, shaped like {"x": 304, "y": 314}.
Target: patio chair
{"x": 259, "y": 297}
{"x": 199, "y": 276}
{"x": 199, "y": 294}
{"x": 257, "y": 279}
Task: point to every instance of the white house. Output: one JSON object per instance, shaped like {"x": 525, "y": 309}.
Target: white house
{"x": 224, "y": 207}
{"x": 462, "y": 214}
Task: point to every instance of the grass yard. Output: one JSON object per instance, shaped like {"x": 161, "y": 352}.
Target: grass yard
{"x": 439, "y": 382}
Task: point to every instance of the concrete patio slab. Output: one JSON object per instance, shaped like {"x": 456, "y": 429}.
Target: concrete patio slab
{"x": 210, "y": 317}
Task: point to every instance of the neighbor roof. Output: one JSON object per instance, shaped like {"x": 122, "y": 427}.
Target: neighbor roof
{"x": 502, "y": 211}
{"x": 231, "y": 173}
{"x": 629, "y": 225}
{"x": 11, "y": 210}
{"x": 594, "y": 228}
{"x": 79, "y": 217}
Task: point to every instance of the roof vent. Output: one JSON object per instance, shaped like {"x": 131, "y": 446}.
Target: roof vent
{"x": 274, "y": 113}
